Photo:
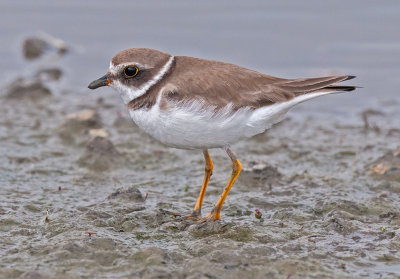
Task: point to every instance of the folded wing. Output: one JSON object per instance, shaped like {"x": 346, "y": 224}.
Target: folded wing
{"x": 220, "y": 84}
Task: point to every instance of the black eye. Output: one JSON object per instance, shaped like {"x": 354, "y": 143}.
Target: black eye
{"x": 131, "y": 71}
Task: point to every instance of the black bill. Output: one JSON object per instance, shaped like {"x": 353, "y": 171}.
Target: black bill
{"x": 103, "y": 81}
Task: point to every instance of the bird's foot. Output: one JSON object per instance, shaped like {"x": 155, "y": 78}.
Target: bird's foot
{"x": 167, "y": 212}
{"x": 195, "y": 215}
{"x": 214, "y": 215}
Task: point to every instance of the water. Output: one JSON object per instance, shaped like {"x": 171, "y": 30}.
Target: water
{"x": 290, "y": 40}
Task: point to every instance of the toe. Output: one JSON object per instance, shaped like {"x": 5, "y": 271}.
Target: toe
{"x": 193, "y": 216}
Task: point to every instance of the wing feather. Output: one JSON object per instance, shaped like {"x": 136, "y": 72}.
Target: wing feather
{"x": 219, "y": 84}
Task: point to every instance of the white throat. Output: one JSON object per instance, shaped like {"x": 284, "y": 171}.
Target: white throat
{"x": 129, "y": 93}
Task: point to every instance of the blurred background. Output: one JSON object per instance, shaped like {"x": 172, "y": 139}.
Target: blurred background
{"x": 278, "y": 38}
{"x": 85, "y": 194}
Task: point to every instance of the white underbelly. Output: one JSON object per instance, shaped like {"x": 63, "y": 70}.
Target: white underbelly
{"x": 189, "y": 129}
{"x": 195, "y": 127}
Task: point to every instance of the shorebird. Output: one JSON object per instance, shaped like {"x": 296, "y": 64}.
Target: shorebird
{"x": 192, "y": 103}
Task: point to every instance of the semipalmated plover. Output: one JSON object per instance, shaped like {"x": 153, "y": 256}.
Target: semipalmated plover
{"x": 193, "y": 103}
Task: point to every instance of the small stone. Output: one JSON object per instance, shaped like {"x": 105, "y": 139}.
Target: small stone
{"x": 129, "y": 193}
{"x": 259, "y": 173}
{"x": 27, "y": 88}
{"x": 34, "y": 47}
{"x": 76, "y": 127}
{"x": 49, "y": 74}
{"x": 100, "y": 154}
{"x": 380, "y": 168}
{"x": 388, "y": 166}
{"x": 99, "y": 133}
{"x": 84, "y": 115}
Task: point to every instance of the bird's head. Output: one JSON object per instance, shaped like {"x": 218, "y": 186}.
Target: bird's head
{"x": 133, "y": 71}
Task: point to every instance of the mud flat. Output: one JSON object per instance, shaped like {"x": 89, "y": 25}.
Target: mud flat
{"x": 328, "y": 194}
{"x": 85, "y": 194}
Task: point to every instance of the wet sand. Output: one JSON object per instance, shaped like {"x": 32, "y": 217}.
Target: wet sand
{"x": 328, "y": 194}
{"x": 324, "y": 213}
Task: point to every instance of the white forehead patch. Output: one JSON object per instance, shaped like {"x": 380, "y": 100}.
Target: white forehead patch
{"x": 130, "y": 93}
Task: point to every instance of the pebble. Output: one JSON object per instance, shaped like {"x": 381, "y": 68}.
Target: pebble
{"x": 388, "y": 166}
{"x": 76, "y": 127}
{"x": 259, "y": 173}
{"x": 34, "y": 47}
{"x": 27, "y": 88}
{"x": 49, "y": 74}
{"x": 100, "y": 154}
{"x": 129, "y": 193}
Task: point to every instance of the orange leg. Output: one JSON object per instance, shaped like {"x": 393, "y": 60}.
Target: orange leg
{"x": 208, "y": 172}
{"x": 215, "y": 213}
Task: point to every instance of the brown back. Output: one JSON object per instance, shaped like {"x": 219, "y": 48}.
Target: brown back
{"x": 219, "y": 84}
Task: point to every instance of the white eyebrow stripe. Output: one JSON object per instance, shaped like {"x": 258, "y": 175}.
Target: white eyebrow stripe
{"x": 128, "y": 94}
{"x": 114, "y": 69}
{"x": 156, "y": 79}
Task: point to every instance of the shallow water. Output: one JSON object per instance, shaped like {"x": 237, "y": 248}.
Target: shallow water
{"x": 324, "y": 214}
